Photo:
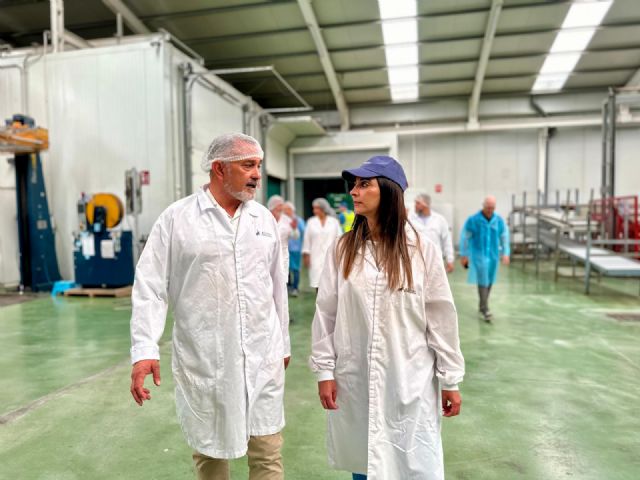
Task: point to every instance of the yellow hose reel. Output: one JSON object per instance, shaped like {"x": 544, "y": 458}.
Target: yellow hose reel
{"x": 111, "y": 203}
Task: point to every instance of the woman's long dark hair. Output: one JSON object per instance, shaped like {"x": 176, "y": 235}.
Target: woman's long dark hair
{"x": 391, "y": 247}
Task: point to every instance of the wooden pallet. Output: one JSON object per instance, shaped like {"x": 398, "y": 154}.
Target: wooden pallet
{"x": 99, "y": 292}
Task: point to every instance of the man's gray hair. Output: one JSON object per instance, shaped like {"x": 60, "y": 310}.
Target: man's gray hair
{"x": 424, "y": 198}
{"x": 231, "y": 147}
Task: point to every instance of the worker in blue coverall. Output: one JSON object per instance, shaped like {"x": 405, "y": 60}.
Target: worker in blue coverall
{"x": 483, "y": 241}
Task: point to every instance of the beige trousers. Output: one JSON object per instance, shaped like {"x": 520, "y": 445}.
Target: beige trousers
{"x": 264, "y": 458}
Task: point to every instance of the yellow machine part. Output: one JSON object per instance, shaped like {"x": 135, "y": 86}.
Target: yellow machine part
{"x": 111, "y": 203}
{"x": 21, "y": 139}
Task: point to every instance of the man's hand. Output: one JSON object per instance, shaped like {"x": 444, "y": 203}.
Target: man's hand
{"x": 328, "y": 391}
{"x": 306, "y": 258}
{"x": 451, "y": 402}
{"x": 506, "y": 260}
{"x": 286, "y": 361}
{"x": 464, "y": 261}
{"x": 294, "y": 223}
{"x": 449, "y": 267}
{"x": 140, "y": 370}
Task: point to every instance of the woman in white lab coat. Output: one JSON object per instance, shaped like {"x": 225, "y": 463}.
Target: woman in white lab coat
{"x": 321, "y": 231}
{"x": 385, "y": 345}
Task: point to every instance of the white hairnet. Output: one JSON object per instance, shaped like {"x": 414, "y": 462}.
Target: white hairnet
{"x": 274, "y": 201}
{"x": 231, "y": 147}
{"x": 290, "y": 205}
{"x": 424, "y": 198}
{"x": 324, "y": 205}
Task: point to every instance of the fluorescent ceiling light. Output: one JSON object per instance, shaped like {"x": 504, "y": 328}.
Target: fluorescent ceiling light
{"x": 403, "y": 75}
{"x": 408, "y": 92}
{"x": 397, "y": 8}
{"x": 586, "y": 14}
{"x": 559, "y": 63}
{"x": 550, "y": 83}
{"x": 572, "y": 40}
{"x": 577, "y": 30}
{"x": 400, "y": 34}
{"x": 401, "y": 55}
{"x": 401, "y": 31}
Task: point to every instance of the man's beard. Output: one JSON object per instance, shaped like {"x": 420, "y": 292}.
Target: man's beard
{"x": 242, "y": 195}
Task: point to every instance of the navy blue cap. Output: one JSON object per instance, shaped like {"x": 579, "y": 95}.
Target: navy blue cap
{"x": 379, "y": 166}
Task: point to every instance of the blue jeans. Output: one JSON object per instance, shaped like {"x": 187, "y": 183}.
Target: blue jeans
{"x": 294, "y": 279}
{"x": 359, "y": 476}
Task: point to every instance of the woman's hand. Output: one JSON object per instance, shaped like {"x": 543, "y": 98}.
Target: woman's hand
{"x": 328, "y": 391}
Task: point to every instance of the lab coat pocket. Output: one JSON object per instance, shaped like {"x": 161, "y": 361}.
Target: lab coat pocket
{"x": 197, "y": 412}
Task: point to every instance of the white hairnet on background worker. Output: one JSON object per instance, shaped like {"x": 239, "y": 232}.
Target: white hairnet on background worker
{"x": 222, "y": 275}
{"x": 287, "y": 228}
{"x": 320, "y": 232}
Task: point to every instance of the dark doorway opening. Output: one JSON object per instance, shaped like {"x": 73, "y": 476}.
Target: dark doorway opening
{"x": 320, "y": 187}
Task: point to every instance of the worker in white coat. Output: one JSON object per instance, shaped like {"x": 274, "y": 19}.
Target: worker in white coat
{"x": 385, "y": 344}
{"x": 215, "y": 258}
{"x": 322, "y": 229}
{"x": 287, "y": 229}
{"x": 435, "y": 227}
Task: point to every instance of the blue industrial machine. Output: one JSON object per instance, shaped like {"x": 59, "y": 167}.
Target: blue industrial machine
{"x": 38, "y": 261}
{"x": 103, "y": 251}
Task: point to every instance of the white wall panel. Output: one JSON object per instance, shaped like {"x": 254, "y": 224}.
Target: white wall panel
{"x": 469, "y": 167}
{"x": 575, "y": 161}
{"x": 278, "y": 139}
{"x": 212, "y": 115}
{"x": 106, "y": 116}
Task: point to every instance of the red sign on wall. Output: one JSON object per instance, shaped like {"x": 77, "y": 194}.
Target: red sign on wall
{"x": 145, "y": 177}
{"x": 438, "y": 188}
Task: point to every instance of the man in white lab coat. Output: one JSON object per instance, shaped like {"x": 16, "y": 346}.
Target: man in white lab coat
{"x": 435, "y": 227}
{"x": 215, "y": 258}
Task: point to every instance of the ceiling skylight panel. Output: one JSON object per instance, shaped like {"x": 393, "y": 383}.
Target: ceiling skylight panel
{"x": 403, "y": 75}
{"x": 406, "y": 92}
{"x": 400, "y": 34}
{"x": 400, "y": 31}
{"x": 559, "y": 63}
{"x": 572, "y": 40}
{"x": 577, "y": 30}
{"x": 586, "y": 14}
{"x": 401, "y": 55}
{"x": 397, "y": 8}
{"x": 550, "y": 83}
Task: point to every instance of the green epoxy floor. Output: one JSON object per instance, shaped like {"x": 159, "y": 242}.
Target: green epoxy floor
{"x": 552, "y": 390}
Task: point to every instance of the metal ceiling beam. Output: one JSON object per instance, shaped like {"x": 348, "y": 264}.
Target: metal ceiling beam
{"x": 487, "y": 43}
{"x": 473, "y": 36}
{"x": 75, "y": 40}
{"x": 213, "y": 10}
{"x": 242, "y": 7}
{"x": 530, "y": 76}
{"x": 325, "y": 60}
{"x": 130, "y": 18}
{"x": 634, "y": 81}
{"x": 269, "y": 58}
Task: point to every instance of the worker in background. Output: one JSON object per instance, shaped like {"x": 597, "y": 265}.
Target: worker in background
{"x": 322, "y": 229}
{"x": 483, "y": 241}
{"x": 215, "y": 257}
{"x": 385, "y": 344}
{"x": 287, "y": 228}
{"x": 436, "y": 228}
{"x": 295, "y": 250}
{"x": 345, "y": 217}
